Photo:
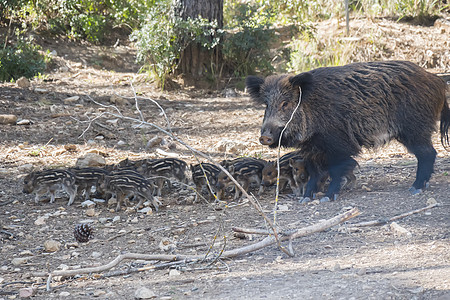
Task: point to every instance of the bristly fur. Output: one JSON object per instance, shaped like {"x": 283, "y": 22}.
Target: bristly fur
{"x": 253, "y": 84}
{"x": 445, "y": 125}
{"x": 346, "y": 108}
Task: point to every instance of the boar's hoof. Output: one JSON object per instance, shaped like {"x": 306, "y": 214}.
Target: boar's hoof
{"x": 325, "y": 199}
{"x": 415, "y": 191}
{"x": 305, "y": 200}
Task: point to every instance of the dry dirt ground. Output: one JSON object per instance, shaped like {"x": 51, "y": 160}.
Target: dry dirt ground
{"x": 376, "y": 262}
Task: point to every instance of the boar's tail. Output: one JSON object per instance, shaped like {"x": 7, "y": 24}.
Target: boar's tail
{"x": 445, "y": 125}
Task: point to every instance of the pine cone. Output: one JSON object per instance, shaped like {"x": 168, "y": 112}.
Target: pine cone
{"x": 83, "y": 232}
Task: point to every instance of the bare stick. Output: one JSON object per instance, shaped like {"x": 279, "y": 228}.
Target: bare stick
{"x": 383, "y": 221}
{"x": 321, "y": 226}
{"x": 251, "y": 230}
{"x": 277, "y": 190}
{"x": 269, "y": 240}
{"x": 6, "y": 202}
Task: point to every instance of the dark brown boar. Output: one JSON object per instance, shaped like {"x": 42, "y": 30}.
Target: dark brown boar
{"x": 343, "y": 109}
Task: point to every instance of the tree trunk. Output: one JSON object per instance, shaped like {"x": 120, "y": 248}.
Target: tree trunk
{"x": 196, "y": 62}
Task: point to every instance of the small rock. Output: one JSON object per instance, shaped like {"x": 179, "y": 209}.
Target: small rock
{"x": 96, "y": 254}
{"x": 24, "y": 122}
{"x": 113, "y": 122}
{"x": 283, "y": 207}
{"x": 72, "y": 245}
{"x": 166, "y": 245}
{"x": 114, "y": 99}
{"x": 366, "y": 188}
{"x": 134, "y": 220}
{"x": 144, "y": 293}
{"x": 431, "y": 201}
{"x": 8, "y": 119}
{"x": 116, "y": 219}
{"x": 102, "y": 220}
{"x": 63, "y": 266}
{"x": 174, "y": 272}
{"x": 145, "y": 210}
{"x": 27, "y": 292}
{"x": 40, "y": 91}
{"x": 399, "y": 229}
{"x": 23, "y": 82}
{"x": 20, "y": 261}
{"x": 112, "y": 201}
{"x": 153, "y": 142}
{"x": 53, "y": 53}
{"x": 362, "y": 271}
{"x": 64, "y": 294}
{"x": 87, "y": 204}
{"x": 75, "y": 254}
{"x": 26, "y": 168}
{"x": 52, "y": 245}
{"x": 26, "y": 252}
{"x": 121, "y": 143}
{"x": 90, "y": 212}
{"x": 41, "y": 220}
{"x": 72, "y": 99}
{"x": 90, "y": 160}
{"x": 98, "y": 293}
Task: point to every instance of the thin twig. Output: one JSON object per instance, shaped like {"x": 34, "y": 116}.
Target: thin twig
{"x": 11, "y": 235}
{"x": 384, "y": 221}
{"x": 6, "y": 202}
{"x": 277, "y": 190}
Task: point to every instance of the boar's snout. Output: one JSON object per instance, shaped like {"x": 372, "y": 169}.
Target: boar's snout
{"x": 266, "y": 140}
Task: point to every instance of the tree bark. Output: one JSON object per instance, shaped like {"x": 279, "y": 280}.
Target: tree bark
{"x": 197, "y": 62}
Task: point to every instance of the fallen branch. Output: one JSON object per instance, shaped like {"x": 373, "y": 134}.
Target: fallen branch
{"x": 269, "y": 240}
{"x": 384, "y": 221}
{"x": 293, "y": 234}
{"x": 251, "y": 230}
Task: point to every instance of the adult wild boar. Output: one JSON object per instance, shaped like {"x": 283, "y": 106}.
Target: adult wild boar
{"x": 343, "y": 109}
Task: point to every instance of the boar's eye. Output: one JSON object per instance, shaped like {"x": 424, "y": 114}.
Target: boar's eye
{"x": 284, "y": 105}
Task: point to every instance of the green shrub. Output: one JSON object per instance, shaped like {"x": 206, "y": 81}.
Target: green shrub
{"x": 164, "y": 36}
{"x": 419, "y": 10}
{"x": 246, "y": 48}
{"x": 23, "y": 59}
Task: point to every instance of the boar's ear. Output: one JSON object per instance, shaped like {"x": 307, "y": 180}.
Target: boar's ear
{"x": 301, "y": 80}
{"x": 253, "y": 84}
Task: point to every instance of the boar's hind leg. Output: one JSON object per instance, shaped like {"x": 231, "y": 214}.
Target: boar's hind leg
{"x": 311, "y": 186}
{"x": 426, "y": 156}
{"x": 337, "y": 171}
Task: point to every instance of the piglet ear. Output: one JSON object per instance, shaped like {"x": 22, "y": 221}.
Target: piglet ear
{"x": 253, "y": 84}
{"x": 301, "y": 80}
